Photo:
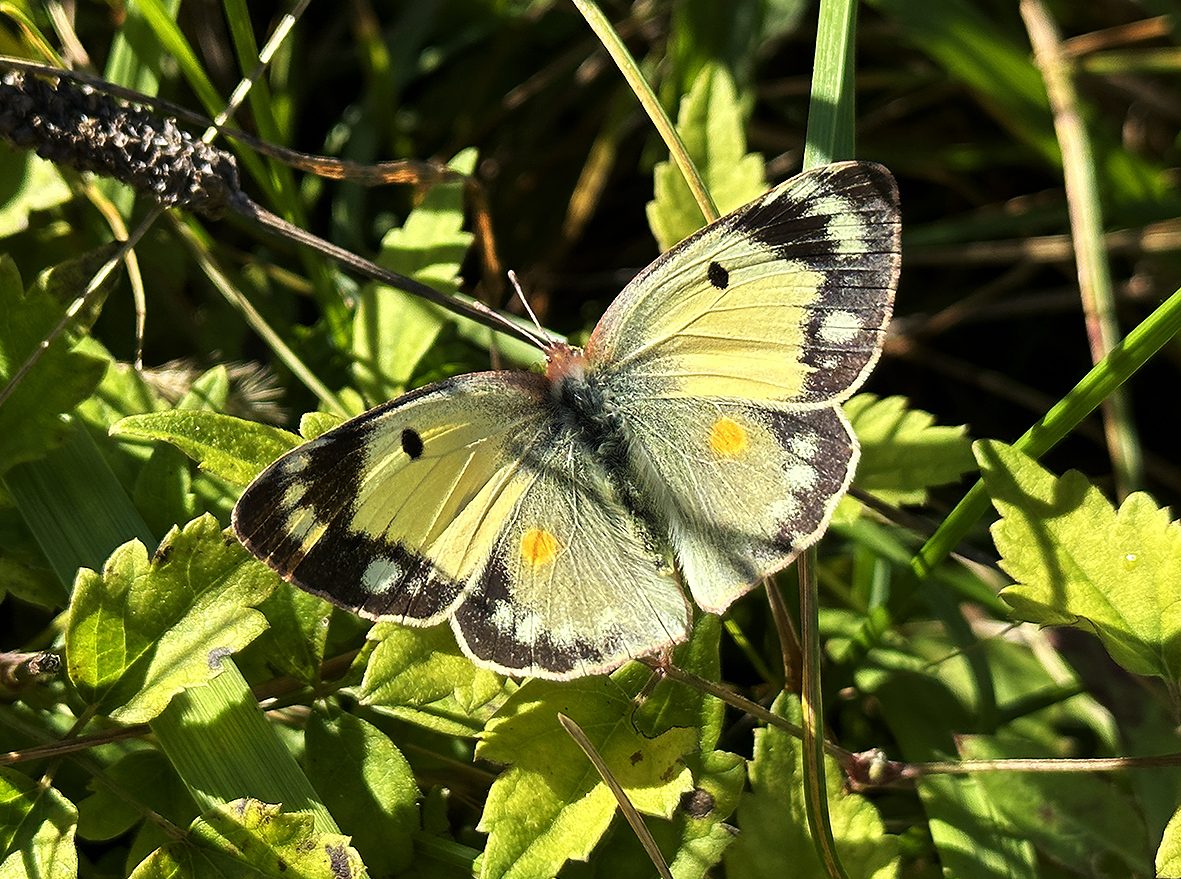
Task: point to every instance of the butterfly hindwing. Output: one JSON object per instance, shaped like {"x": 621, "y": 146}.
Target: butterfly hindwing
{"x": 785, "y": 299}
{"x": 743, "y": 486}
{"x": 575, "y": 584}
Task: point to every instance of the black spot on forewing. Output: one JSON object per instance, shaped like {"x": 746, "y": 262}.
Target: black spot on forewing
{"x": 718, "y": 276}
{"x": 411, "y": 443}
{"x": 296, "y": 515}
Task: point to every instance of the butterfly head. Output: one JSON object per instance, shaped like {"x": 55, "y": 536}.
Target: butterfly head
{"x": 564, "y": 363}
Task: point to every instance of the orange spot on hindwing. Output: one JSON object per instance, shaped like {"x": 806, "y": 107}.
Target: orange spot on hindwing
{"x": 728, "y": 438}
{"x": 538, "y": 547}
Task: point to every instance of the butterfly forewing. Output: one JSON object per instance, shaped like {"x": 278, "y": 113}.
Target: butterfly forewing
{"x": 785, "y": 300}
{"x": 391, "y": 513}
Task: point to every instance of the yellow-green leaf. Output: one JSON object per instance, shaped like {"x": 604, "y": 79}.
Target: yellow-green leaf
{"x": 1077, "y": 561}
{"x": 550, "y": 805}
{"x": 36, "y": 830}
{"x": 712, "y": 126}
{"x": 421, "y": 676}
{"x": 774, "y": 840}
{"x": 903, "y": 451}
{"x": 144, "y": 629}
{"x": 249, "y": 838}
{"x": 232, "y": 448}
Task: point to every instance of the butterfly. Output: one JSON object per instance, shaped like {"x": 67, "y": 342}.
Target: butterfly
{"x": 696, "y": 442}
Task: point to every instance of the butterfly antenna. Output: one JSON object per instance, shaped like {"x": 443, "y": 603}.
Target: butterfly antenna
{"x": 512, "y": 276}
{"x": 546, "y": 337}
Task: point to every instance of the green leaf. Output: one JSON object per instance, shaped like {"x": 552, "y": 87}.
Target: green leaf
{"x": 774, "y": 840}
{"x": 903, "y": 453}
{"x": 1065, "y": 546}
{"x": 1084, "y": 822}
{"x": 972, "y": 839}
{"x": 692, "y": 843}
{"x": 30, "y": 420}
{"x": 392, "y": 330}
{"x": 672, "y": 704}
{"x": 695, "y": 840}
{"x": 143, "y": 630}
{"x": 550, "y": 805}
{"x": 36, "y": 830}
{"x": 232, "y": 448}
{"x": 123, "y": 391}
{"x": 705, "y": 31}
{"x": 162, "y": 489}
{"x": 312, "y": 424}
{"x": 718, "y": 780}
{"x": 124, "y": 792}
{"x": 421, "y": 676}
{"x": 29, "y": 184}
{"x": 1168, "y": 856}
{"x": 249, "y": 838}
{"x": 368, "y": 786}
{"x": 712, "y": 126}
{"x": 297, "y": 632}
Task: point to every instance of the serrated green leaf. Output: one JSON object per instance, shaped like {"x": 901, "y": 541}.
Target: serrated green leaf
{"x": 30, "y": 421}
{"x": 550, "y": 806}
{"x": 36, "y": 830}
{"x": 368, "y": 786}
{"x": 232, "y": 448}
{"x": 711, "y": 124}
{"x": 392, "y": 330}
{"x": 421, "y": 676}
{"x": 903, "y": 452}
{"x": 774, "y": 840}
{"x": 249, "y": 838}
{"x": 1068, "y": 549}
{"x": 144, "y": 629}
{"x": 1084, "y": 822}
